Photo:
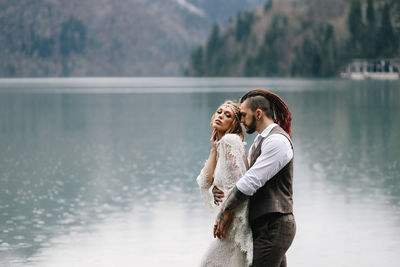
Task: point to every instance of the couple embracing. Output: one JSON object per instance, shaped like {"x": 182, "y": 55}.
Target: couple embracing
{"x": 253, "y": 196}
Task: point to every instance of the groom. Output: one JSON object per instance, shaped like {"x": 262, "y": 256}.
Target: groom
{"x": 268, "y": 182}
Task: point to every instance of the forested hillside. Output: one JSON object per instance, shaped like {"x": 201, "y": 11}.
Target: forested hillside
{"x": 308, "y": 38}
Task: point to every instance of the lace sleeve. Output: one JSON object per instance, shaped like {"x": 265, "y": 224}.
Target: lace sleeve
{"x": 205, "y": 191}
{"x": 233, "y": 155}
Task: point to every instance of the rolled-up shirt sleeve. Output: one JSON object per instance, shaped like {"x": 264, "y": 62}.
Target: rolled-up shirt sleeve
{"x": 276, "y": 152}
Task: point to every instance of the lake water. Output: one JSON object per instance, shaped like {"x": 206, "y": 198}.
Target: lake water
{"x": 101, "y": 172}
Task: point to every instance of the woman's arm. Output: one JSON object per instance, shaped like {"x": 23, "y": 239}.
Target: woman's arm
{"x": 206, "y": 176}
{"x": 209, "y": 167}
{"x": 211, "y": 162}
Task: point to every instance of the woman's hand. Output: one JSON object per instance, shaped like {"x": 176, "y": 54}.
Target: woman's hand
{"x": 213, "y": 139}
{"x": 218, "y": 195}
{"x": 211, "y": 162}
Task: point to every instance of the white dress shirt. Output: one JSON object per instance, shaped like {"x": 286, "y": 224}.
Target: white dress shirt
{"x": 276, "y": 152}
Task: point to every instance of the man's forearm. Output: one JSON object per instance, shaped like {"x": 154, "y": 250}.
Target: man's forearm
{"x": 234, "y": 199}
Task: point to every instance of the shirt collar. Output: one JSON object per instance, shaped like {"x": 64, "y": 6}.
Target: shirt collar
{"x": 264, "y": 133}
{"x": 268, "y": 129}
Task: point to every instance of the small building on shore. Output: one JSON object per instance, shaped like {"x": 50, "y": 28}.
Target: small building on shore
{"x": 382, "y": 69}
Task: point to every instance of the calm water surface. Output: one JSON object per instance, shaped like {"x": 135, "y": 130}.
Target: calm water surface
{"x": 101, "y": 172}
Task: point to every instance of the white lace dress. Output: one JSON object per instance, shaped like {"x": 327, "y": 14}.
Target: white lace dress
{"x": 236, "y": 250}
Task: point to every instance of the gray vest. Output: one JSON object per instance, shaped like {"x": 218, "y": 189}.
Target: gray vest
{"x": 276, "y": 196}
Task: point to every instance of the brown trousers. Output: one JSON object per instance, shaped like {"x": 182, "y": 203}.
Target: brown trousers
{"x": 272, "y": 236}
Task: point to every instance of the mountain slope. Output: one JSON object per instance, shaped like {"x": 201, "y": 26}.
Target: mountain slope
{"x": 309, "y": 38}
{"x": 96, "y": 38}
{"x": 103, "y": 37}
{"x": 263, "y": 42}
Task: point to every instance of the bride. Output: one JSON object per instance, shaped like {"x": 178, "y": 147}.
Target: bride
{"x": 225, "y": 165}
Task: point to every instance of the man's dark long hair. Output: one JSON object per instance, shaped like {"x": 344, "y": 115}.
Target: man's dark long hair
{"x": 274, "y": 107}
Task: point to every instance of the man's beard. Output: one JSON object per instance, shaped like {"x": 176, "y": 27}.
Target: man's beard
{"x": 251, "y": 128}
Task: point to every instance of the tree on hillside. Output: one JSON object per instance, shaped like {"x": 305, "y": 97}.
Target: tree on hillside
{"x": 370, "y": 14}
{"x": 213, "y": 42}
{"x": 395, "y": 7}
{"x": 37, "y": 44}
{"x": 356, "y": 27}
{"x": 370, "y": 40}
{"x": 266, "y": 61}
{"x": 213, "y": 60}
{"x": 243, "y": 26}
{"x": 328, "y": 48}
{"x": 72, "y": 37}
{"x": 317, "y": 55}
{"x": 72, "y": 40}
{"x": 387, "y": 43}
{"x": 307, "y": 61}
{"x": 268, "y": 5}
{"x": 196, "y": 63}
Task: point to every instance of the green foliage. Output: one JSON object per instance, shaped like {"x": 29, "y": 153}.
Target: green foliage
{"x": 371, "y": 40}
{"x": 243, "y": 25}
{"x": 72, "y": 37}
{"x": 370, "y": 37}
{"x": 42, "y": 46}
{"x": 315, "y": 52}
{"x": 10, "y": 70}
{"x": 214, "y": 59}
{"x": 268, "y": 5}
{"x": 213, "y": 43}
{"x": 317, "y": 55}
{"x": 196, "y": 63}
{"x": 370, "y": 14}
{"x": 266, "y": 61}
{"x": 320, "y": 57}
{"x": 307, "y": 60}
{"x": 210, "y": 60}
{"x": 355, "y": 20}
{"x": 356, "y": 27}
{"x": 387, "y": 43}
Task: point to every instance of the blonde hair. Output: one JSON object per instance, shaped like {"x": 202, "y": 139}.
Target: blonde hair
{"x": 235, "y": 127}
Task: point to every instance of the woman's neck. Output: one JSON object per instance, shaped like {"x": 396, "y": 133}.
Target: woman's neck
{"x": 220, "y": 135}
